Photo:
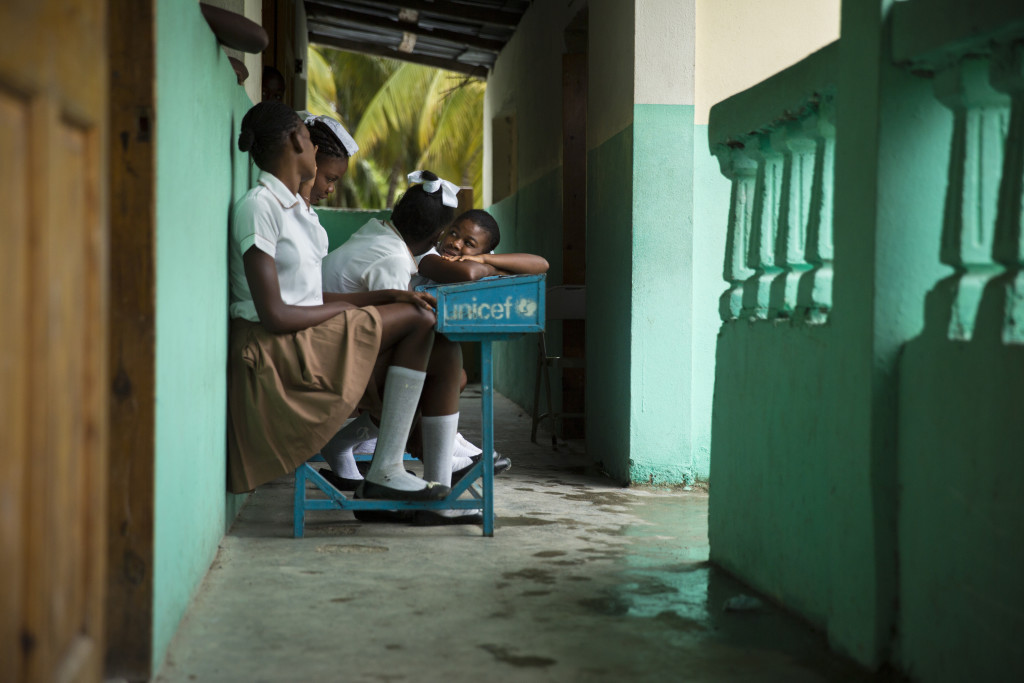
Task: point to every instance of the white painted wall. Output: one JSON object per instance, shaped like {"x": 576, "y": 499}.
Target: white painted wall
{"x": 664, "y": 37}
{"x": 742, "y": 42}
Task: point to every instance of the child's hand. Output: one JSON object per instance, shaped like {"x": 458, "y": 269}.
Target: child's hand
{"x": 453, "y": 258}
{"x": 421, "y": 299}
{"x": 478, "y": 258}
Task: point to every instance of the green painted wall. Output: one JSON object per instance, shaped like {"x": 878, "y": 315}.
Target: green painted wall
{"x": 770, "y": 514}
{"x": 661, "y": 327}
{"x": 609, "y": 302}
{"x": 199, "y": 174}
{"x": 805, "y": 430}
{"x": 341, "y": 223}
{"x": 961, "y": 521}
{"x": 892, "y": 154}
{"x": 710, "y": 220}
{"x": 645, "y": 423}
{"x": 528, "y": 224}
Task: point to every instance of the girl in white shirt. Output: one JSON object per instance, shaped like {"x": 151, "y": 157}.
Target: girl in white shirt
{"x": 300, "y": 360}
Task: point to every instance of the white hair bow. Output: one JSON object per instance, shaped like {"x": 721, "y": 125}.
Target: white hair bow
{"x": 449, "y": 190}
{"x": 346, "y": 140}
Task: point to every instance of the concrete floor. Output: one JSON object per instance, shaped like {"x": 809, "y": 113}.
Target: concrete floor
{"x": 582, "y": 581}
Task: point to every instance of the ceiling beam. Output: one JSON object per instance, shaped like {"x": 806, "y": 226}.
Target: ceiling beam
{"x": 493, "y": 17}
{"x": 320, "y": 38}
{"x": 318, "y": 9}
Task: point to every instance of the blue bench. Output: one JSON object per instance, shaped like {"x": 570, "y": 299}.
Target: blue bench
{"x": 485, "y": 311}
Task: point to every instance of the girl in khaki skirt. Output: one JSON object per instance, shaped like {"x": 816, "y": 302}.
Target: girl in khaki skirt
{"x": 301, "y": 360}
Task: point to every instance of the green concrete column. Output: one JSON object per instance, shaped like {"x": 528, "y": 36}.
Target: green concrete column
{"x": 892, "y": 152}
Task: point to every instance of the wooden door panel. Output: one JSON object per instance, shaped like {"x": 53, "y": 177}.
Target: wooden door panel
{"x": 14, "y": 116}
{"x": 54, "y": 269}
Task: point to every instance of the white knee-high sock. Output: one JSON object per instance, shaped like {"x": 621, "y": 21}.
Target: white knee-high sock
{"x": 402, "y": 388}
{"x": 438, "y": 444}
{"x": 338, "y": 451}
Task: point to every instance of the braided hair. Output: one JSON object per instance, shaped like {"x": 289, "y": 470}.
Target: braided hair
{"x": 265, "y": 130}
{"x": 328, "y": 144}
{"x": 420, "y": 215}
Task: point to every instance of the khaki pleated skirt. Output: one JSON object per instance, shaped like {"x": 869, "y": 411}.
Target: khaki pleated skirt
{"x": 288, "y": 394}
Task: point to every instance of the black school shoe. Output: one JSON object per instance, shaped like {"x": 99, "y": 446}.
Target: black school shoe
{"x": 384, "y": 516}
{"x": 431, "y": 518}
{"x": 501, "y": 464}
{"x": 380, "y": 516}
{"x": 432, "y": 491}
{"x": 339, "y": 482}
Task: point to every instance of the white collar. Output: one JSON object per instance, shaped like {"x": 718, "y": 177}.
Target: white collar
{"x": 280, "y": 191}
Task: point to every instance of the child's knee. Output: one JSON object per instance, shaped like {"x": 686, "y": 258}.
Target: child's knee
{"x": 446, "y": 354}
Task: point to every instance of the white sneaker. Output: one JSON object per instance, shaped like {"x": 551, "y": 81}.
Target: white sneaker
{"x": 465, "y": 448}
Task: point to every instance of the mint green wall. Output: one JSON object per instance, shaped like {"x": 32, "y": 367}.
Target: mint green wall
{"x": 770, "y": 518}
{"x": 199, "y": 173}
{"x": 341, "y": 223}
{"x": 961, "y": 520}
{"x": 661, "y": 327}
{"x": 710, "y": 219}
{"x": 648, "y": 411}
{"x": 892, "y": 154}
{"x": 528, "y": 224}
{"x": 609, "y": 302}
{"x": 805, "y": 490}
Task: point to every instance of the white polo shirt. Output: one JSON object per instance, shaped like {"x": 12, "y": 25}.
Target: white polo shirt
{"x": 418, "y": 279}
{"x": 374, "y": 257}
{"x": 277, "y": 222}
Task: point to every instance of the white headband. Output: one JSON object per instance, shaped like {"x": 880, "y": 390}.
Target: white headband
{"x": 448, "y": 189}
{"x": 344, "y": 138}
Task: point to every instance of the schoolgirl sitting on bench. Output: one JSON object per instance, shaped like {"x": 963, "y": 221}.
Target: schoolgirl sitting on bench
{"x": 301, "y": 360}
{"x": 380, "y": 256}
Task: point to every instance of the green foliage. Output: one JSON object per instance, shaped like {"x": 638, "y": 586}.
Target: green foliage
{"x": 404, "y": 117}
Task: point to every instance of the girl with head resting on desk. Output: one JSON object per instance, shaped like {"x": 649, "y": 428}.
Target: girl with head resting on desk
{"x": 300, "y": 359}
{"x": 464, "y": 252}
{"x": 380, "y": 256}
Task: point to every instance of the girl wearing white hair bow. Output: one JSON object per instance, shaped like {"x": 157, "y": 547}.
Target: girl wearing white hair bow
{"x": 381, "y": 256}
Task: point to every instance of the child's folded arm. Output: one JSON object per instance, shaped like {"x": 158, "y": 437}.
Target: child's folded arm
{"x": 442, "y": 270}
{"x": 517, "y": 264}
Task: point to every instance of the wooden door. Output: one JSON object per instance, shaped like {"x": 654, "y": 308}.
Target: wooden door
{"x": 53, "y": 343}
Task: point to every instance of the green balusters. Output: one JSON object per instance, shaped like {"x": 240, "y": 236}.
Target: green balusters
{"x": 1007, "y": 290}
{"x": 760, "y": 258}
{"x": 736, "y": 165}
{"x": 814, "y": 292}
{"x": 980, "y": 120}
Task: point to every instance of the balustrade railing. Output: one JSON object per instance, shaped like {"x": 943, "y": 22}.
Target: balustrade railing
{"x": 978, "y": 72}
{"x": 775, "y": 142}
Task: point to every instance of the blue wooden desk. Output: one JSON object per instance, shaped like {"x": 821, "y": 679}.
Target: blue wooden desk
{"x": 485, "y": 311}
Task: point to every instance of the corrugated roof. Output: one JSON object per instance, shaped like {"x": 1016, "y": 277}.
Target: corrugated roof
{"x": 459, "y": 35}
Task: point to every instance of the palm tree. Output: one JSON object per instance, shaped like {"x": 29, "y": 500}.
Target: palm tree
{"x": 404, "y": 117}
